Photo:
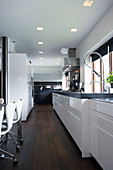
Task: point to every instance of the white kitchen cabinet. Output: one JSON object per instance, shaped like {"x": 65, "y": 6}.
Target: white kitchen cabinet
{"x": 60, "y": 105}
{"x": 18, "y": 85}
{"x": 74, "y": 113}
{"x": 90, "y": 123}
{"x": 79, "y": 123}
{"x": 101, "y": 133}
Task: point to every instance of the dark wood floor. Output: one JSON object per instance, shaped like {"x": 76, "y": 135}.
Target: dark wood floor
{"x": 47, "y": 145}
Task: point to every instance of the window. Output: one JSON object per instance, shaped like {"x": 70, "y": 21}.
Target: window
{"x": 96, "y": 79}
{"x": 97, "y": 65}
{"x": 106, "y": 68}
{"x": 93, "y": 83}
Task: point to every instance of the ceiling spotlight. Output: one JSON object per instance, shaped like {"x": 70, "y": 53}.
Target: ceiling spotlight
{"x": 40, "y": 28}
{"x": 40, "y": 52}
{"x": 87, "y": 3}
{"x": 59, "y": 58}
{"x": 73, "y": 30}
{"x": 41, "y": 58}
{"x": 40, "y": 42}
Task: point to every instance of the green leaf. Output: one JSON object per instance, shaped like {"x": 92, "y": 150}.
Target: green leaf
{"x": 110, "y": 78}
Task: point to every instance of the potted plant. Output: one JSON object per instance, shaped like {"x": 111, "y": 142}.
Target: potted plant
{"x": 110, "y": 79}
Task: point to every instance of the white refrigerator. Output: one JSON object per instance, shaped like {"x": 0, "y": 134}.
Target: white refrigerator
{"x": 19, "y": 86}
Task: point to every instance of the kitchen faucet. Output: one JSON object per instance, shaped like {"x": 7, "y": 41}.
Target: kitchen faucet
{"x": 96, "y": 81}
{"x": 88, "y": 55}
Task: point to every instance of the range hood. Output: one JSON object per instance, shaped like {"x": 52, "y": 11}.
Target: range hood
{"x": 71, "y": 62}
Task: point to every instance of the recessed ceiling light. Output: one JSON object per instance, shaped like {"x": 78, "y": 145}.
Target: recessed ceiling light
{"x": 56, "y": 63}
{"x": 41, "y": 58}
{"x": 40, "y": 52}
{"x": 59, "y": 58}
{"x": 87, "y": 3}
{"x": 41, "y": 62}
{"x": 40, "y": 42}
{"x": 74, "y": 30}
{"x": 40, "y": 28}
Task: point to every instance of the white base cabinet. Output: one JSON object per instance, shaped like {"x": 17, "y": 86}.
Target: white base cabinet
{"x": 101, "y": 133}
{"x": 90, "y": 123}
{"x": 74, "y": 113}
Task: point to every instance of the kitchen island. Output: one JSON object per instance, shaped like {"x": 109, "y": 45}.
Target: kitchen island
{"x": 89, "y": 119}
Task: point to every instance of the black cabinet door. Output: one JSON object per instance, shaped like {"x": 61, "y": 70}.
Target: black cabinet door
{"x": 45, "y": 97}
{"x": 42, "y": 93}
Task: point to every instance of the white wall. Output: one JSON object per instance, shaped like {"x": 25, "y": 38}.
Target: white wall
{"x": 45, "y": 69}
{"x": 102, "y": 31}
{"x": 47, "y": 77}
{"x": 45, "y": 73}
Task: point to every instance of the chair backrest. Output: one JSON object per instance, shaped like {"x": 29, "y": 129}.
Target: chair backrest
{"x": 1, "y": 118}
{"x": 10, "y": 110}
{"x": 19, "y": 104}
{"x": 1, "y": 102}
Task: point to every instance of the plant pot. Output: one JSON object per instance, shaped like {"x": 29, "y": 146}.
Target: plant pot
{"x": 111, "y": 85}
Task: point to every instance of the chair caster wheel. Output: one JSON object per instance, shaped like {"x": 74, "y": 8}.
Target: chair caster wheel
{"x": 17, "y": 148}
{"x": 2, "y": 156}
{"x": 5, "y": 140}
{"x": 21, "y": 141}
{"x": 15, "y": 161}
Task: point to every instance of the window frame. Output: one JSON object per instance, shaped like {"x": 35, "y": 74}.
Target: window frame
{"x": 101, "y": 70}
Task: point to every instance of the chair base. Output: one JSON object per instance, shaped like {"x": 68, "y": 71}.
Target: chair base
{"x": 21, "y": 141}
{"x": 3, "y": 156}
{"x": 15, "y": 140}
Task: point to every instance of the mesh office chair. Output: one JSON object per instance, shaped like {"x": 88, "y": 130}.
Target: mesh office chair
{"x": 10, "y": 109}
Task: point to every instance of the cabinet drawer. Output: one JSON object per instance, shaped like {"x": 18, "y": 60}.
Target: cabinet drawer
{"x": 104, "y": 121}
{"x": 102, "y": 107}
{"x": 106, "y": 108}
{"x": 102, "y": 146}
{"x": 93, "y": 105}
{"x": 76, "y": 104}
{"x": 75, "y": 128}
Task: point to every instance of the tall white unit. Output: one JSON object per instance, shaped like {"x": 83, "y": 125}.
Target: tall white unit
{"x": 18, "y": 85}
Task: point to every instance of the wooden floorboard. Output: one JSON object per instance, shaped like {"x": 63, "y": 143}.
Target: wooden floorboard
{"x": 47, "y": 145}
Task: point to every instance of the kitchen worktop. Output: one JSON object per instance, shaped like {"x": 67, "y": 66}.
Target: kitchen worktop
{"x": 82, "y": 95}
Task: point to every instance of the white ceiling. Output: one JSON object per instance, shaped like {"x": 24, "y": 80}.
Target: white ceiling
{"x": 19, "y": 19}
